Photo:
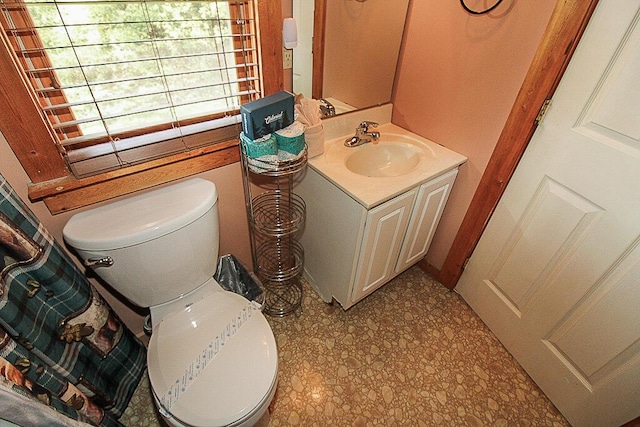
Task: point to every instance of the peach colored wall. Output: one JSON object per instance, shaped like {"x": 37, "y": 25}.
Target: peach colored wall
{"x": 234, "y": 234}
{"x": 458, "y": 76}
{"x": 361, "y": 46}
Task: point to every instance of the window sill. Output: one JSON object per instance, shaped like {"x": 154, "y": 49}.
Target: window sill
{"x": 64, "y": 194}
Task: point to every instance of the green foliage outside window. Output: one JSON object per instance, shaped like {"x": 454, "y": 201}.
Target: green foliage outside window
{"x": 139, "y": 58}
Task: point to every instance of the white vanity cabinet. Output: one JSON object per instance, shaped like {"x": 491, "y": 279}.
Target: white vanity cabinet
{"x": 384, "y": 232}
{"x": 351, "y": 251}
{"x": 426, "y": 214}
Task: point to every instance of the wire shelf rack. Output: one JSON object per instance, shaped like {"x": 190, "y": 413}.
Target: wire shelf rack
{"x": 278, "y": 213}
{"x": 276, "y": 217}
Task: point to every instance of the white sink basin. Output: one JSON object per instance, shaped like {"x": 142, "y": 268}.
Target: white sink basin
{"x": 379, "y": 170}
{"x": 394, "y": 154}
{"x": 383, "y": 159}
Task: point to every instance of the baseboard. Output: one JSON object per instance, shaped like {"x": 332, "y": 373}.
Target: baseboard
{"x": 432, "y": 271}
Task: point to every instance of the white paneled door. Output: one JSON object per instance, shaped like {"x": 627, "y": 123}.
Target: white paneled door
{"x": 556, "y": 275}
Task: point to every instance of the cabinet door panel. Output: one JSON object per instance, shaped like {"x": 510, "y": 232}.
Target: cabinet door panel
{"x": 425, "y": 216}
{"x": 384, "y": 231}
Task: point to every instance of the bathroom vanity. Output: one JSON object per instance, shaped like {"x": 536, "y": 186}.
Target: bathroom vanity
{"x": 372, "y": 210}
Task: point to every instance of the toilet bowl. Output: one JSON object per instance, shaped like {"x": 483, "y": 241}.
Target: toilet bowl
{"x": 212, "y": 357}
{"x": 220, "y": 339}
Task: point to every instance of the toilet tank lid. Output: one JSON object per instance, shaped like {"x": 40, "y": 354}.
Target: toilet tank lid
{"x": 141, "y": 218}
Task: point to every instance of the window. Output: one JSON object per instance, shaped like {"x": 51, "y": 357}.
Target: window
{"x": 126, "y": 86}
{"x": 123, "y": 81}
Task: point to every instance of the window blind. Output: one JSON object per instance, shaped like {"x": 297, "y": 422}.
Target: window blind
{"x": 122, "y": 82}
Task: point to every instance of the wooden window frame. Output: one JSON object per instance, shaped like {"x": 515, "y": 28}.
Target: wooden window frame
{"x": 33, "y": 142}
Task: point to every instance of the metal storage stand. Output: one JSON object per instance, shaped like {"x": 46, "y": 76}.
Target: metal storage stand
{"x": 276, "y": 217}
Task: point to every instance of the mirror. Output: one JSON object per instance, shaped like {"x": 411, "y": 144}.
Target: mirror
{"x": 347, "y": 51}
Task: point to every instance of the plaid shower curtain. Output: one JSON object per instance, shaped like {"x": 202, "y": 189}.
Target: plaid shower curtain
{"x": 60, "y": 343}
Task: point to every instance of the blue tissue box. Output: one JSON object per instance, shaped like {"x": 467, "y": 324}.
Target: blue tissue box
{"x": 267, "y": 115}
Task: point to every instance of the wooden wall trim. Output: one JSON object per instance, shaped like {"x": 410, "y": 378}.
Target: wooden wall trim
{"x": 319, "y": 20}
{"x": 22, "y": 124}
{"x": 70, "y": 193}
{"x": 566, "y": 26}
{"x": 270, "y": 17}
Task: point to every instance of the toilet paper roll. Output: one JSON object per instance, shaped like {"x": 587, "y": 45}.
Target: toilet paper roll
{"x": 291, "y": 139}
{"x": 265, "y": 146}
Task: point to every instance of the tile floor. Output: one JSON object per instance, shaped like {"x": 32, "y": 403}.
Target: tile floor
{"x": 412, "y": 353}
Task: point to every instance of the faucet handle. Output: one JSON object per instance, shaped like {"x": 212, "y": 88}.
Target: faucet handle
{"x": 365, "y": 125}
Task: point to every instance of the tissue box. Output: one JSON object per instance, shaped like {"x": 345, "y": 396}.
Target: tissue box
{"x": 267, "y": 115}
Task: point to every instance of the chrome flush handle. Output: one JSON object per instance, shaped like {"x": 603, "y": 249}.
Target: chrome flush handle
{"x": 106, "y": 261}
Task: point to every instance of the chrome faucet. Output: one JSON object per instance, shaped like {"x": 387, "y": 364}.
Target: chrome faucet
{"x": 363, "y": 135}
{"x": 326, "y": 108}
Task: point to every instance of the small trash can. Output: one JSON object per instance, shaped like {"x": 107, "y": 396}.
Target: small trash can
{"x": 233, "y": 276}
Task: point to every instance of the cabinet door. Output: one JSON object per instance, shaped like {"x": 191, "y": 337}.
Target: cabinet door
{"x": 384, "y": 230}
{"x": 425, "y": 216}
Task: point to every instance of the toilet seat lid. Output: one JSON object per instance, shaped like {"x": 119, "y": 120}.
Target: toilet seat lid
{"x": 217, "y": 358}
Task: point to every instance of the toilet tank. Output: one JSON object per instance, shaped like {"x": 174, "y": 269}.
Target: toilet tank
{"x": 163, "y": 243}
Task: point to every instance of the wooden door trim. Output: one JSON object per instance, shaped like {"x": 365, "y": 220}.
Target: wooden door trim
{"x": 270, "y": 17}
{"x": 319, "y": 22}
{"x": 566, "y": 26}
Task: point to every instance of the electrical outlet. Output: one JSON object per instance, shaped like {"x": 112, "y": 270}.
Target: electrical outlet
{"x": 287, "y": 58}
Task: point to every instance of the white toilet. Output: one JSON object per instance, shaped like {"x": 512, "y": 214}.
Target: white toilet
{"x": 212, "y": 356}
